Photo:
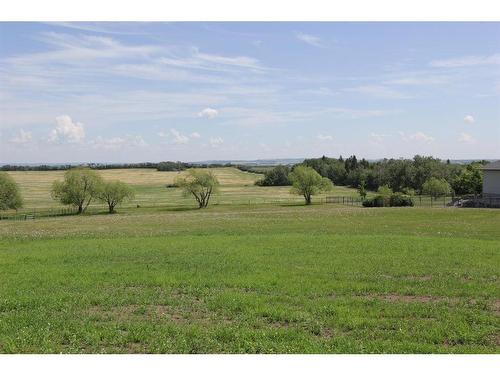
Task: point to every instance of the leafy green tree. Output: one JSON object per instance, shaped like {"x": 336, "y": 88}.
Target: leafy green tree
{"x": 114, "y": 193}
{"x": 384, "y": 191}
{"x": 200, "y": 184}
{"x": 79, "y": 187}
{"x": 307, "y": 182}
{"x": 10, "y": 196}
{"x": 362, "y": 190}
{"x": 436, "y": 187}
{"x": 469, "y": 180}
{"x": 277, "y": 176}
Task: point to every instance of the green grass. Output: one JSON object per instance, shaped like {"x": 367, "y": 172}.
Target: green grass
{"x": 253, "y": 279}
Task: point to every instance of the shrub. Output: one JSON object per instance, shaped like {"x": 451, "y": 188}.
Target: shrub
{"x": 400, "y": 200}
{"x": 394, "y": 200}
{"x": 277, "y": 176}
{"x": 377, "y": 201}
{"x": 436, "y": 187}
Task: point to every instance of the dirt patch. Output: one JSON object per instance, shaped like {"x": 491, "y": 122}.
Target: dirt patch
{"x": 407, "y": 298}
{"x": 152, "y": 312}
{"x": 495, "y": 307}
{"x": 496, "y": 339}
{"x": 144, "y": 312}
{"x": 407, "y": 277}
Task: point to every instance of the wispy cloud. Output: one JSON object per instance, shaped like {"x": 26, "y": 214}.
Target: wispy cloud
{"x": 417, "y": 137}
{"x": 379, "y": 91}
{"x": 466, "y": 61}
{"x": 378, "y": 138}
{"x": 324, "y": 137}
{"x": 466, "y": 138}
{"x": 208, "y": 113}
{"x": 116, "y": 143}
{"x": 312, "y": 40}
{"x": 22, "y": 137}
{"x": 469, "y": 119}
{"x": 179, "y": 138}
{"x": 216, "y": 141}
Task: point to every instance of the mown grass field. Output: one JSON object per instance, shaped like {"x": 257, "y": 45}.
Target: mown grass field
{"x": 253, "y": 279}
{"x": 237, "y": 187}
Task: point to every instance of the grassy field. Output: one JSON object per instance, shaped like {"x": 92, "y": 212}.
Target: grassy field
{"x": 253, "y": 279}
{"x": 237, "y": 187}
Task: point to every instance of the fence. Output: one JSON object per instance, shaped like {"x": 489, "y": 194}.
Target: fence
{"x": 32, "y": 215}
{"x": 350, "y": 201}
{"x": 418, "y": 201}
{"x": 428, "y": 201}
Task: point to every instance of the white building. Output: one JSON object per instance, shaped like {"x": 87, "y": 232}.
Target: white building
{"x": 491, "y": 179}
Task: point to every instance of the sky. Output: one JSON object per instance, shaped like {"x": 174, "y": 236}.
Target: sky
{"x": 135, "y": 92}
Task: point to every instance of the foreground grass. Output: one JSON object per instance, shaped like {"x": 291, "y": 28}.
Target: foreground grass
{"x": 264, "y": 279}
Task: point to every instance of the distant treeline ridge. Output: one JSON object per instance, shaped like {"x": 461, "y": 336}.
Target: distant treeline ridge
{"x": 164, "y": 166}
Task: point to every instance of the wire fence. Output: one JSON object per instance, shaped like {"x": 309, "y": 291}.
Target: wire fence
{"x": 429, "y": 201}
{"x": 418, "y": 201}
{"x": 35, "y": 214}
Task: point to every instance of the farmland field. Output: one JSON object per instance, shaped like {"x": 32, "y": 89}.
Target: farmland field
{"x": 150, "y": 188}
{"x": 251, "y": 279}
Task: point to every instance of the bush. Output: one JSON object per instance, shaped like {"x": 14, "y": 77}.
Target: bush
{"x": 394, "y": 200}
{"x": 400, "y": 200}
{"x": 277, "y": 176}
{"x": 377, "y": 201}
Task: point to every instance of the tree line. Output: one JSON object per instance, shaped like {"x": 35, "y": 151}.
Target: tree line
{"x": 163, "y": 166}
{"x": 420, "y": 175}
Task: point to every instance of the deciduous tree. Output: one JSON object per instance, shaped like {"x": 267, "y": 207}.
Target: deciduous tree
{"x": 10, "y": 196}
{"x": 200, "y": 184}
{"x": 307, "y": 182}
{"x": 114, "y": 193}
{"x": 79, "y": 187}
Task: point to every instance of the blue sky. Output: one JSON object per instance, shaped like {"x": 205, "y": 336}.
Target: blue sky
{"x": 130, "y": 92}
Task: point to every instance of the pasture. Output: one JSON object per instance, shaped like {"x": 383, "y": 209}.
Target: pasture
{"x": 237, "y": 187}
{"x": 252, "y": 279}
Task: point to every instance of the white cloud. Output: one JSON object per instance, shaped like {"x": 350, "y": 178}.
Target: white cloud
{"x": 179, "y": 138}
{"x": 67, "y": 131}
{"x": 466, "y": 138}
{"x": 208, "y": 113}
{"x": 324, "y": 137}
{"x": 466, "y": 61}
{"x": 419, "y": 80}
{"x": 417, "y": 137}
{"x": 379, "y": 91}
{"x": 469, "y": 119}
{"x": 162, "y": 134}
{"x": 216, "y": 141}
{"x": 116, "y": 143}
{"x": 378, "y": 138}
{"x": 22, "y": 138}
{"x": 194, "y": 135}
{"x": 309, "y": 39}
